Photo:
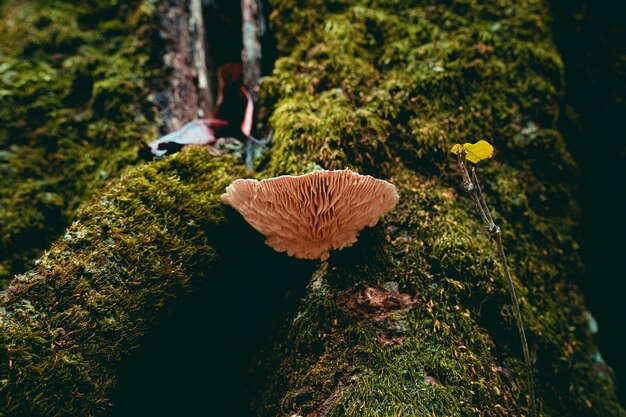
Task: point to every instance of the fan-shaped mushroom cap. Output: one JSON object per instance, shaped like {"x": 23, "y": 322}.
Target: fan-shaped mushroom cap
{"x": 308, "y": 215}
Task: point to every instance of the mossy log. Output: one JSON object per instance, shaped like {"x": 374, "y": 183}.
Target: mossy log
{"x": 414, "y": 319}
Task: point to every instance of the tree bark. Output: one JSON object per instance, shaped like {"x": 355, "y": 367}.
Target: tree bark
{"x": 411, "y": 320}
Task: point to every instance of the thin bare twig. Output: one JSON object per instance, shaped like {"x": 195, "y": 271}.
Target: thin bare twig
{"x": 472, "y": 186}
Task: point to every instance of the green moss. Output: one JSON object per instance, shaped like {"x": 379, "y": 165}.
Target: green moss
{"x": 142, "y": 243}
{"x": 328, "y": 132}
{"x": 73, "y": 106}
{"x": 420, "y": 78}
{"x": 382, "y": 86}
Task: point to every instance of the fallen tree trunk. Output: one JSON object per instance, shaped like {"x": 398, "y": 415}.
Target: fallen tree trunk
{"x": 143, "y": 242}
{"x": 411, "y": 320}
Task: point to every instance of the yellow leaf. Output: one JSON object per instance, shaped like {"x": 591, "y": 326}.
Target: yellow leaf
{"x": 475, "y": 152}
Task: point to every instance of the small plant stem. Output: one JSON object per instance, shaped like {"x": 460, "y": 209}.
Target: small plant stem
{"x": 472, "y": 186}
{"x": 497, "y": 236}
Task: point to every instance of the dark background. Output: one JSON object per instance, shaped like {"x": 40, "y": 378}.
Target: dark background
{"x": 591, "y": 36}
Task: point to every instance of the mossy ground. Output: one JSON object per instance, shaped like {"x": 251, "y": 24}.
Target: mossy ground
{"x": 74, "y": 87}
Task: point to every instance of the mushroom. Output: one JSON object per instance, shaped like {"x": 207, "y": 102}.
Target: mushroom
{"x": 308, "y": 215}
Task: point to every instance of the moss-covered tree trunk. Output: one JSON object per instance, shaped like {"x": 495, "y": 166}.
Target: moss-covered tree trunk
{"x": 414, "y": 319}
